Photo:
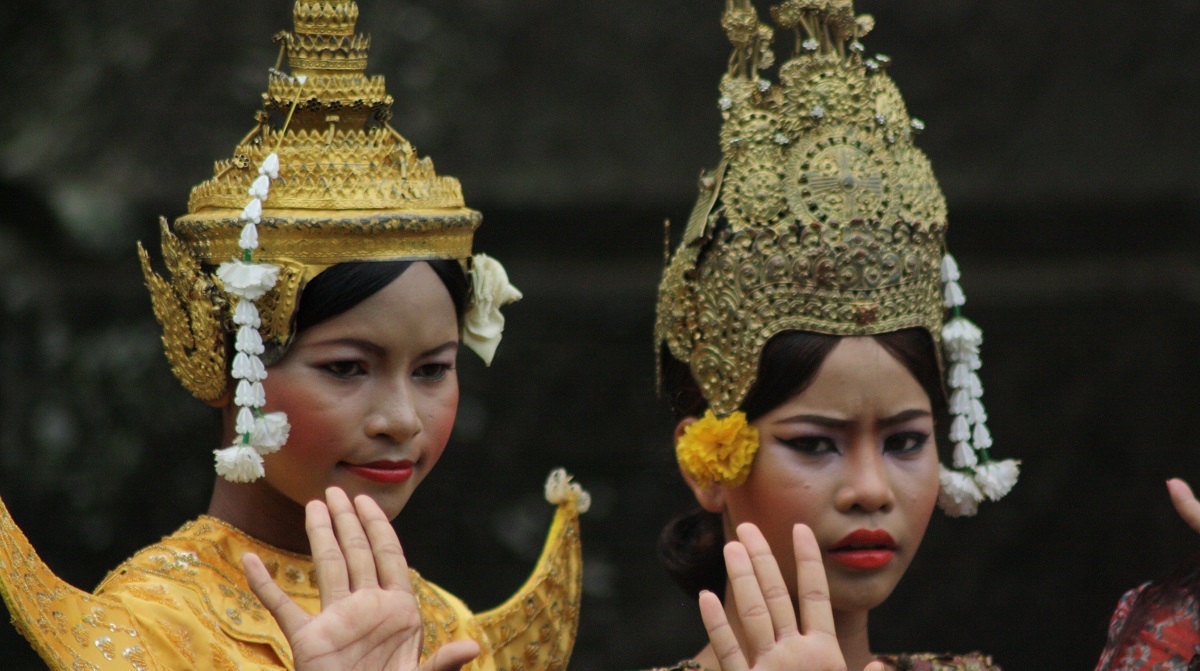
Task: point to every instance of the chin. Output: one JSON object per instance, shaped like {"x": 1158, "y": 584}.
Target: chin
{"x": 862, "y": 593}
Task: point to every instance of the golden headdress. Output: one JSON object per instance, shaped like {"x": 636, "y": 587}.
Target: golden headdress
{"x": 321, "y": 179}
{"x": 822, "y": 216}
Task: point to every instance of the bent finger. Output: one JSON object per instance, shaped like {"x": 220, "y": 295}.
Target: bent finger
{"x": 286, "y": 612}
{"x": 1185, "y": 502}
{"x": 812, "y": 586}
{"x": 332, "y": 580}
{"x": 770, "y": 580}
{"x": 720, "y": 634}
{"x": 390, "y": 563}
{"x": 360, "y": 562}
{"x": 452, "y": 656}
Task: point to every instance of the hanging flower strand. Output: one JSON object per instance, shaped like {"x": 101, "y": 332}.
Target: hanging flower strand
{"x": 974, "y": 475}
{"x": 259, "y": 433}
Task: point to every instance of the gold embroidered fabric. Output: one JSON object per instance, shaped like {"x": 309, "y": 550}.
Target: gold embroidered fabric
{"x": 918, "y": 661}
{"x": 349, "y": 188}
{"x": 184, "y": 603}
{"x": 822, "y": 215}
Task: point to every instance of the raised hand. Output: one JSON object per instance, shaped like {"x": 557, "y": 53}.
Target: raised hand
{"x": 369, "y": 619}
{"x": 774, "y": 640}
{"x": 1185, "y": 502}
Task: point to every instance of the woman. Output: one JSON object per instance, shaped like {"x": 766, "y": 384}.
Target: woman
{"x": 319, "y": 288}
{"x": 803, "y": 333}
{"x": 1157, "y": 625}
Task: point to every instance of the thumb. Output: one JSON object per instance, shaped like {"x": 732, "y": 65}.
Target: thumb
{"x": 452, "y": 656}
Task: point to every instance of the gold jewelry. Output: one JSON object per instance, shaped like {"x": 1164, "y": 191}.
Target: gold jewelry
{"x": 822, "y": 216}
{"x": 349, "y": 188}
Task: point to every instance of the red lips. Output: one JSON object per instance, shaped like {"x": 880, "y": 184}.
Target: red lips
{"x": 387, "y": 472}
{"x": 864, "y": 549}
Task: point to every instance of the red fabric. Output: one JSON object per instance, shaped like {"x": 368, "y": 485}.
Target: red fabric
{"x": 1170, "y": 638}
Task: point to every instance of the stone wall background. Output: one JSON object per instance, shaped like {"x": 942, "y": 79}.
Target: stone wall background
{"x": 1065, "y": 142}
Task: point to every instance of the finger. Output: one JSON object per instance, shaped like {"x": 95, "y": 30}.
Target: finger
{"x": 452, "y": 656}
{"x": 720, "y": 634}
{"x": 332, "y": 581}
{"x": 812, "y": 587}
{"x": 1185, "y": 502}
{"x": 287, "y": 613}
{"x": 390, "y": 563}
{"x": 770, "y": 580}
{"x": 747, "y": 597}
{"x": 876, "y": 665}
{"x": 352, "y": 539}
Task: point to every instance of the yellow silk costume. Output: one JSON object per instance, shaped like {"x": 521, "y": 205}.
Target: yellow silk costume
{"x": 184, "y": 603}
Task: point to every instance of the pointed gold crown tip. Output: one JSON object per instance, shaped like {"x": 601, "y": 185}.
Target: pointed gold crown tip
{"x": 328, "y": 18}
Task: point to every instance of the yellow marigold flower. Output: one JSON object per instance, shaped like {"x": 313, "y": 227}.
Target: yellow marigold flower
{"x": 714, "y": 449}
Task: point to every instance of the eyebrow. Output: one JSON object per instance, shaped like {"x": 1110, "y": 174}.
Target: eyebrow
{"x": 837, "y": 423}
{"x": 376, "y": 349}
{"x": 444, "y": 347}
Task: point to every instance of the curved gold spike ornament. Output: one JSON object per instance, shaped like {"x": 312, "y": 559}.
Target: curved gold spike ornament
{"x": 191, "y": 311}
{"x": 822, "y": 216}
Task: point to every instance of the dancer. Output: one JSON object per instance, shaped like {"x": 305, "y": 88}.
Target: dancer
{"x": 811, "y": 336}
{"x": 318, "y": 292}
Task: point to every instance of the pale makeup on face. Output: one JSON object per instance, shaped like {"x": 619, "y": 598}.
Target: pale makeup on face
{"x": 371, "y": 395}
{"x": 852, "y": 452}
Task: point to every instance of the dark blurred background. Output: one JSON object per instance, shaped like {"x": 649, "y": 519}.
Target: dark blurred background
{"x": 1065, "y": 141}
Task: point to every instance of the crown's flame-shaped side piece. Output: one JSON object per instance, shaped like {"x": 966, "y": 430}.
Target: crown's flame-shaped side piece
{"x": 822, "y": 216}
{"x": 349, "y": 188}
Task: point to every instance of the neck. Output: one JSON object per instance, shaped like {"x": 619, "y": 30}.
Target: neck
{"x": 262, "y": 512}
{"x": 852, "y": 637}
{"x": 851, "y": 634}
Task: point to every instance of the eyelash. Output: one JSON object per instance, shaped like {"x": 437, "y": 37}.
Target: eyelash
{"x": 812, "y": 445}
{"x": 909, "y": 443}
{"x": 337, "y": 369}
{"x": 440, "y": 370}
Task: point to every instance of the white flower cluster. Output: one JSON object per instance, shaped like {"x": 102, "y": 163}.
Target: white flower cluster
{"x": 483, "y": 325}
{"x": 560, "y": 489}
{"x": 974, "y": 475}
{"x": 259, "y": 433}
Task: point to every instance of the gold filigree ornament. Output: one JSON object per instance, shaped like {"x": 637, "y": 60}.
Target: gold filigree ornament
{"x": 321, "y": 179}
{"x": 824, "y": 217}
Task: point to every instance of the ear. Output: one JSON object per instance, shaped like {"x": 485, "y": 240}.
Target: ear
{"x": 710, "y": 496}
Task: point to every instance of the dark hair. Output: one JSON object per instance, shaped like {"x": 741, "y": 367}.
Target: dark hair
{"x": 345, "y": 285}
{"x": 691, "y": 544}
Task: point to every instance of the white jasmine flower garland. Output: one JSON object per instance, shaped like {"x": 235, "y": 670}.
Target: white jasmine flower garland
{"x": 259, "y": 433}
{"x": 974, "y": 475}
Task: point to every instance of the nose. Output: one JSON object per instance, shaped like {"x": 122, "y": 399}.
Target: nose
{"x": 393, "y": 415}
{"x": 866, "y": 486}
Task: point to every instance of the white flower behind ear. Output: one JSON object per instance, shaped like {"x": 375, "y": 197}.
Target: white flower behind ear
{"x": 483, "y": 324}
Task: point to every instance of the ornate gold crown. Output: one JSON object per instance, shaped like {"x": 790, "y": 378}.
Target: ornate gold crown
{"x": 349, "y": 188}
{"x": 822, "y": 216}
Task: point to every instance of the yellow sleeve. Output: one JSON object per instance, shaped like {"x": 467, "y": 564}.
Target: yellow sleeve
{"x": 68, "y": 627}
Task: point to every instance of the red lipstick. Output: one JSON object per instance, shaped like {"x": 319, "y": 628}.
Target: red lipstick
{"x": 387, "y": 472}
{"x": 864, "y": 549}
